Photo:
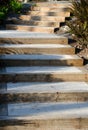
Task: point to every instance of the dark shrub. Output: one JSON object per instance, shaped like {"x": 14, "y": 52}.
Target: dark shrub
{"x": 79, "y": 26}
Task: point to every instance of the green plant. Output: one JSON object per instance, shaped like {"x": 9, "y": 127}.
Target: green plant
{"x": 15, "y": 6}
{"x": 3, "y": 12}
{"x": 7, "y": 6}
{"x": 79, "y": 26}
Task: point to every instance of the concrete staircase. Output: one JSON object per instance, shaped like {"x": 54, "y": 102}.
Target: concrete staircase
{"x": 43, "y": 84}
{"x": 43, "y": 17}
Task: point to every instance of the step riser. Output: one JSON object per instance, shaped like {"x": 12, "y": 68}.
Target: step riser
{"x": 34, "y": 40}
{"x": 19, "y": 62}
{"x": 49, "y": 19}
{"x": 37, "y": 51}
{"x": 53, "y": 77}
{"x": 44, "y": 97}
{"x": 58, "y": 13}
{"x": 53, "y": 124}
{"x": 37, "y": 23}
{"x": 32, "y": 29}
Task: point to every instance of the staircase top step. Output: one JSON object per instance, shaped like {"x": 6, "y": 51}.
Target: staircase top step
{"x": 54, "y": 3}
{"x": 38, "y": 57}
{"x": 34, "y": 46}
{"x": 25, "y": 34}
{"x": 32, "y": 87}
{"x": 41, "y": 70}
{"x": 45, "y": 111}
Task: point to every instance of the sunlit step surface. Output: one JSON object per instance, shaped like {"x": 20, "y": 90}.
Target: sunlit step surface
{"x": 50, "y": 13}
{"x": 49, "y": 116}
{"x": 41, "y": 70}
{"x": 39, "y": 60}
{"x": 36, "y": 49}
{"x": 44, "y": 73}
{"x": 59, "y": 4}
{"x": 46, "y": 87}
{"x": 33, "y": 111}
{"x": 30, "y": 28}
{"x": 44, "y": 92}
{"x": 24, "y": 37}
{"x": 49, "y": 8}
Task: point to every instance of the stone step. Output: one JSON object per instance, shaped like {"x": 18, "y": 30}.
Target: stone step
{"x": 36, "y": 48}
{"x": 59, "y": 4}
{"x": 24, "y": 37}
{"x": 40, "y": 60}
{"x": 43, "y": 18}
{"x": 30, "y": 28}
{"x": 44, "y": 92}
{"x": 49, "y": 13}
{"x": 49, "y": 8}
{"x": 36, "y": 23}
{"x": 43, "y": 74}
{"x": 47, "y": 116}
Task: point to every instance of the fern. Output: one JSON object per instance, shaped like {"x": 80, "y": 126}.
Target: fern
{"x": 79, "y": 27}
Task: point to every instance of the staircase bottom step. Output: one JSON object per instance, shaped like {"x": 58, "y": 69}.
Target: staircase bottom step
{"x": 59, "y": 124}
{"x": 46, "y": 115}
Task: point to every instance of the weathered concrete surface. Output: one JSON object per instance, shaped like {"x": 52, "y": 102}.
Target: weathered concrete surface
{"x": 44, "y": 18}
{"x": 36, "y": 49}
{"x": 41, "y": 74}
{"x": 50, "y": 13}
{"x": 23, "y": 37}
{"x": 40, "y": 60}
{"x": 36, "y": 23}
{"x": 42, "y": 97}
{"x": 30, "y": 28}
{"x": 45, "y": 92}
{"x": 46, "y": 116}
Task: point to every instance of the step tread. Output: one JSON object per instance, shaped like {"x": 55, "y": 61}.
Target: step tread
{"x": 42, "y": 16}
{"x": 38, "y": 11}
{"x": 49, "y": 2}
{"x": 34, "y": 46}
{"x": 54, "y": 2}
{"x": 43, "y": 70}
{"x": 36, "y": 21}
{"x": 49, "y": 13}
{"x": 30, "y": 26}
{"x": 39, "y": 23}
{"x": 33, "y": 111}
{"x": 45, "y": 87}
{"x": 24, "y": 34}
{"x": 49, "y": 7}
{"x": 39, "y": 57}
